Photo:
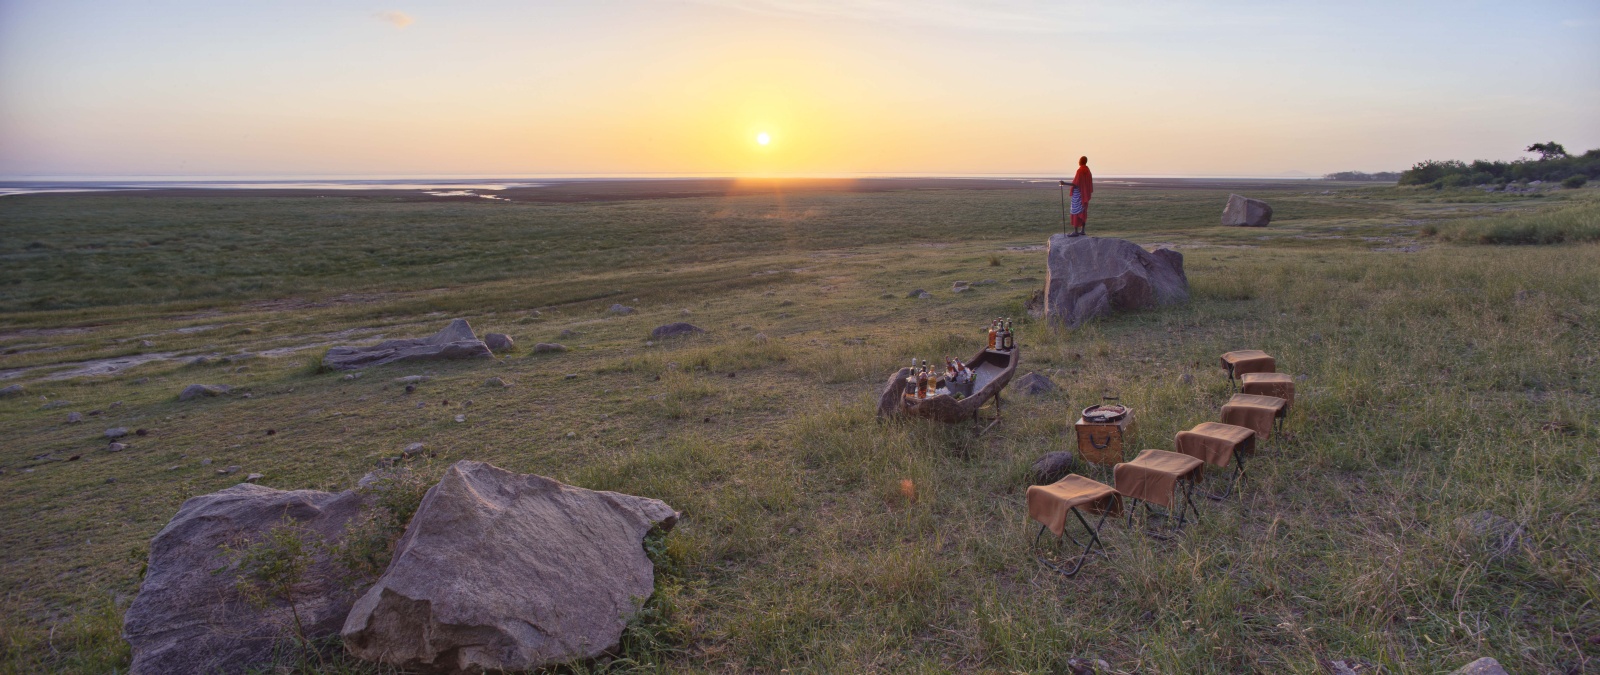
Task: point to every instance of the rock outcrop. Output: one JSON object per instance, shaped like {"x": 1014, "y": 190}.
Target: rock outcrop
{"x": 195, "y": 391}
{"x": 188, "y": 618}
{"x": 1034, "y": 384}
{"x": 675, "y": 330}
{"x": 456, "y": 341}
{"x": 1246, "y": 212}
{"x": 1086, "y": 277}
{"x": 11, "y": 390}
{"x": 499, "y": 342}
{"x": 504, "y": 571}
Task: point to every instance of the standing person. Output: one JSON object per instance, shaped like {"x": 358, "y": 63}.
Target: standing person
{"x": 1082, "y": 189}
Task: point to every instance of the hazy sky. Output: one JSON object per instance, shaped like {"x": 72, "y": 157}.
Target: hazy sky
{"x": 493, "y": 87}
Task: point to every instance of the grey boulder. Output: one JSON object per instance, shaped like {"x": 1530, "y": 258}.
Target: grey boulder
{"x": 1051, "y": 467}
{"x": 499, "y": 342}
{"x": 190, "y": 616}
{"x": 503, "y": 571}
{"x": 1246, "y": 212}
{"x": 456, "y": 341}
{"x": 11, "y": 390}
{"x": 195, "y": 391}
{"x": 1034, "y": 384}
{"x": 549, "y": 348}
{"x": 1086, "y": 277}
{"x": 619, "y": 309}
{"x": 675, "y": 330}
{"x": 1484, "y": 666}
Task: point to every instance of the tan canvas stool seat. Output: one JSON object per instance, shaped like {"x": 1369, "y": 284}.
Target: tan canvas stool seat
{"x": 1280, "y": 385}
{"x": 1154, "y": 478}
{"x": 1218, "y": 444}
{"x": 1243, "y": 361}
{"x": 1255, "y": 412}
{"x": 1050, "y": 505}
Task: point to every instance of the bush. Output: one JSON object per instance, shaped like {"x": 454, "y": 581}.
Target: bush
{"x": 1575, "y": 181}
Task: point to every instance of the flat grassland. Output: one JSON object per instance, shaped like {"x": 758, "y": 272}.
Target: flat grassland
{"x": 1438, "y": 378}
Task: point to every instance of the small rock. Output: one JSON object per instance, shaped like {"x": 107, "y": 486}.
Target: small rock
{"x": 1483, "y": 666}
{"x": 412, "y": 379}
{"x": 461, "y": 418}
{"x": 117, "y": 404}
{"x": 1088, "y": 666}
{"x": 74, "y": 458}
{"x": 195, "y": 391}
{"x": 111, "y": 480}
{"x": 675, "y": 330}
{"x": 55, "y": 404}
{"x": 1034, "y": 384}
{"x": 205, "y": 462}
{"x": 10, "y": 391}
{"x": 242, "y": 369}
{"x": 499, "y": 342}
{"x": 272, "y": 432}
{"x": 919, "y": 294}
{"x": 571, "y": 376}
{"x": 961, "y": 289}
{"x": 142, "y": 380}
{"x": 116, "y": 447}
{"x": 1053, "y": 466}
{"x": 74, "y": 417}
{"x": 1022, "y": 280}
{"x": 254, "y": 477}
{"x": 960, "y": 284}
{"x": 649, "y": 343}
{"x": 413, "y": 449}
{"x": 495, "y": 382}
{"x": 761, "y": 337}
{"x": 116, "y": 432}
{"x": 549, "y": 348}
{"x": 353, "y": 376}
{"x": 202, "y": 361}
{"x": 141, "y": 432}
{"x": 986, "y": 282}
{"x": 568, "y": 332}
{"x": 619, "y": 309}
{"x": 230, "y": 470}
{"x": 146, "y": 344}
{"x": 685, "y": 312}
{"x": 1186, "y": 379}
{"x": 572, "y": 434}
{"x": 411, "y": 388}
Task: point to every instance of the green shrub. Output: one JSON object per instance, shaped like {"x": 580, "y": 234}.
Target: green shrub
{"x": 1576, "y": 181}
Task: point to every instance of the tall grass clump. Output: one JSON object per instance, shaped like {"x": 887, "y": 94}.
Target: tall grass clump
{"x": 1569, "y": 224}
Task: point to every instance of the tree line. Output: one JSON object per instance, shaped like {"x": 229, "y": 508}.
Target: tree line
{"x": 1554, "y": 164}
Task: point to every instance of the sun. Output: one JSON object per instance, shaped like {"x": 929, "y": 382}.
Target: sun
{"x": 763, "y": 139}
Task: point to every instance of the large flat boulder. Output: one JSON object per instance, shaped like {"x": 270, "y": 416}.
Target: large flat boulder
{"x": 1246, "y": 212}
{"x": 1086, "y": 277}
{"x": 191, "y": 618}
{"x": 456, "y": 341}
{"x": 505, "y": 571}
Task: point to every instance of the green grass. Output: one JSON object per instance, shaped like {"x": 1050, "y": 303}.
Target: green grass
{"x": 1561, "y": 223}
{"x": 1437, "y": 383}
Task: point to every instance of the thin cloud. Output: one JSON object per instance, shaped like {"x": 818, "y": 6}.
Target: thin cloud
{"x": 397, "y": 18}
{"x": 1020, "y": 16}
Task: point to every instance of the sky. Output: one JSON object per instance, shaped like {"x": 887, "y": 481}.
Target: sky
{"x": 684, "y": 87}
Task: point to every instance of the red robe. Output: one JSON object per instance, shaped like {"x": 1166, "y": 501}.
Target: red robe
{"x": 1084, "y": 182}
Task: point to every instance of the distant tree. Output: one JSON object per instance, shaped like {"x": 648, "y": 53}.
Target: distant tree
{"x": 1551, "y": 150}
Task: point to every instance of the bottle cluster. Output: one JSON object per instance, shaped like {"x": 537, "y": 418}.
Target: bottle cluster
{"x": 1000, "y": 336}
{"x": 926, "y": 380}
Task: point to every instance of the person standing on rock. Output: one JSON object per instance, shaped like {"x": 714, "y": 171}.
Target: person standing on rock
{"x": 1082, "y": 188}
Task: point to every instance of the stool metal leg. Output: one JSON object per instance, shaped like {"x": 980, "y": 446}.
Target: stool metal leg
{"x": 1082, "y": 557}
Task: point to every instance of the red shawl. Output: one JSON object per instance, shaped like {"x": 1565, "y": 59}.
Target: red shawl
{"x": 1085, "y": 182}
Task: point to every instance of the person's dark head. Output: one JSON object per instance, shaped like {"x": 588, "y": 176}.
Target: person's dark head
{"x": 1083, "y": 161}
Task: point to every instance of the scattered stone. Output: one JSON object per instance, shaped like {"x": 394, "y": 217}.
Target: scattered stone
{"x": 11, "y": 390}
{"x": 146, "y": 344}
{"x": 985, "y": 282}
{"x": 1022, "y": 280}
{"x": 412, "y": 379}
{"x": 353, "y": 376}
{"x": 619, "y": 309}
{"x": 115, "y": 404}
{"x": 495, "y": 382}
{"x": 142, "y": 380}
{"x": 549, "y": 348}
{"x": 675, "y": 330}
{"x": 254, "y": 477}
{"x": 568, "y": 332}
{"x": 202, "y": 361}
{"x": 241, "y": 356}
{"x": 242, "y": 369}
{"x": 189, "y": 619}
{"x": 761, "y": 337}
{"x": 685, "y": 312}
{"x": 499, "y": 342}
{"x": 1494, "y": 535}
{"x": 1484, "y": 666}
{"x": 55, "y": 404}
{"x": 456, "y": 341}
{"x": 272, "y": 432}
{"x": 413, "y": 449}
{"x": 572, "y": 434}
{"x": 205, "y": 462}
{"x": 500, "y": 571}
{"x": 116, "y": 447}
{"x": 649, "y": 343}
{"x": 1092, "y": 276}
{"x": 74, "y": 417}
{"x": 115, "y": 433}
{"x": 461, "y": 418}
{"x": 961, "y": 289}
{"x": 1186, "y": 379}
{"x": 786, "y": 303}
{"x": 919, "y": 294}
{"x": 234, "y": 468}
{"x": 195, "y": 391}
{"x": 74, "y": 458}
{"x": 1053, "y": 466}
{"x": 571, "y": 376}
{"x": 1034, "y": 384}
{"x": 111, "y": 480}
{"x": 1088, "y": 666}
{"x": 1246, "y": 212}
{"x": 141, "y": 432}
